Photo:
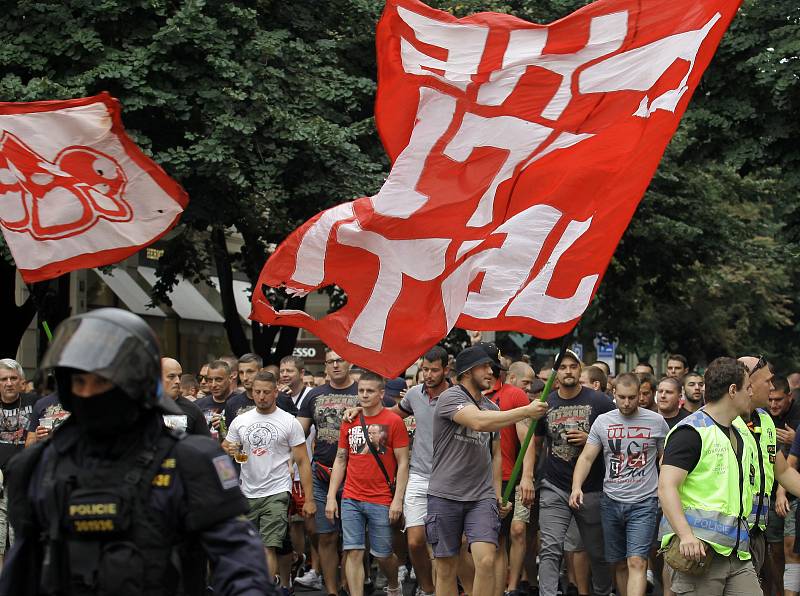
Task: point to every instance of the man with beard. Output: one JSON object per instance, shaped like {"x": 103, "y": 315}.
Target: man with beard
{"x": 464, "y": 488}
{"x": 693, "y": 389}
{"x": 572, "y": 411}
{"x": 669, "y": 401}
{"x": 647, "y": 391}
{"x": 102, "y": 506}
{"x": 785, "y": 413}
{"x": 263, "y": 440}
{"x": 631, "y": 440}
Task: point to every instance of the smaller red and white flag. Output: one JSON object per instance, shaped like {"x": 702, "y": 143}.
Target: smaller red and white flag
{"x": 75, "y": 191}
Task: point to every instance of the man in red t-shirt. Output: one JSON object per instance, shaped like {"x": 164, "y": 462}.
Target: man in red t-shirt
{"x": 508, "y": 397}
{"x": 373, "y": 492}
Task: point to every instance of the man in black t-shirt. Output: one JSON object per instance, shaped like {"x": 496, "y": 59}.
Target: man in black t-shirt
{"x": 219, "y": 391}
{"x": 242, "y": 401}
{"x": 572, "y": 411}
{"x": 15, "y": 416}
{"x": 323, "y": 408}
{"x": 668, "y": 399}
{"x": 192, "y": 421}
{"x": 785, "y": 413}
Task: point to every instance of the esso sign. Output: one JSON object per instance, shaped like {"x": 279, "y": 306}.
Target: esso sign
{"x": 305, "y": 352}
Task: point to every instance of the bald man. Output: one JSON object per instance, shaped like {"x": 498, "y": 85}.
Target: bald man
{"x": 192, "y": 420}
{"x": 520, "y": 375}
{"x": 761, "y": 440}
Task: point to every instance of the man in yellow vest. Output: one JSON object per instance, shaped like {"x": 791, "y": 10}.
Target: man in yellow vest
{"x": 704, "y": 488}
{"x": 769, "y": 464}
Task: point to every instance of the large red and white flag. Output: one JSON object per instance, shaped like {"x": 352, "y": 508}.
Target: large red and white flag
{"x": 520, "y": 153}
{"x": 75, "y": 191}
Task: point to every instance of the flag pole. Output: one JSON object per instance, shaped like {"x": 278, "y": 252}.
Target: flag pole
{"x": 515, "y": 472}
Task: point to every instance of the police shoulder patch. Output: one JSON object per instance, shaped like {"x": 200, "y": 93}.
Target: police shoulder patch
{"x": 225, "y": 471}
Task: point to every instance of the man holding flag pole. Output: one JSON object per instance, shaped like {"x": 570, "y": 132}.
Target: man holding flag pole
{"x": 464, "y": 489}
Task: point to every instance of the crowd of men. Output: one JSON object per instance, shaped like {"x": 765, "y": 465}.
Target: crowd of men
{"x": 346, "y": 471}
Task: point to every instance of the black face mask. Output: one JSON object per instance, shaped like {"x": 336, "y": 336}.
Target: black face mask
{"x": 106, "y": 414}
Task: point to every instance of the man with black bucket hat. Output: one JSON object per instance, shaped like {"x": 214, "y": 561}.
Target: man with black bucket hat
{"x": 464, "y": 490}
{"x": 103, "y": 505}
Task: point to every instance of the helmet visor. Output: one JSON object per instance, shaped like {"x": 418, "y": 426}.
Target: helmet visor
{"x": 107, "y": 349}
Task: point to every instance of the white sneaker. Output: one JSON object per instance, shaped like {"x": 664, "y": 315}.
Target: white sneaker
{"x": 398, "y": 591}
{"x": 420, "y": 592}
{"x": 310, "y": 579}
{"x": 402, "y": 574}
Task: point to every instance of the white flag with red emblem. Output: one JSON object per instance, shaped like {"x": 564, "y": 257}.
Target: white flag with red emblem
{"x": 75, "y": 191}
{"x": 520, "y": 153}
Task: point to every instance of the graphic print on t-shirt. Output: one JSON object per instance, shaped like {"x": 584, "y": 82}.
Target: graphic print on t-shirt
{"x": 378, "y": 436}
{"x": 13, "y": 422}
{"x": 474, "y": 437}
{"x": 562, "y": 419}
{"x": 328, "y": 411}
{"x": 629, "y": 451}
{"x": 179, "y": 422}
{"x": 260, "y": 437}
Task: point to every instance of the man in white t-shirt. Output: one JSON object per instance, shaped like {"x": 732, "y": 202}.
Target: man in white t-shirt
{"x": 264, "y": 440}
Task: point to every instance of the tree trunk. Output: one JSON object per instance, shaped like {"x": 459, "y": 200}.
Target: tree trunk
{"x": 233, "y": 326}
{"x": 288, "y": 336}
{"x": 263, "y": 338}
{"x": 16, "y": 318}
{"x": 51, "y": 299}
{"x": 255, "y": 256}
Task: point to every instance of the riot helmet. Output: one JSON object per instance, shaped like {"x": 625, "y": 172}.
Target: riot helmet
{"x": 114, "y": 344}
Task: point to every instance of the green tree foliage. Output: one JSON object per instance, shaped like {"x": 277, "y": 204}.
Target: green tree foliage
{"x": 263, "y": 111}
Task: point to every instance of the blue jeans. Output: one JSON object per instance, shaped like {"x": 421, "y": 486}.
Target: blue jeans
{"x": 635, "y": 521}
{"x": 356, "y": 516}
{"x": 324, "y": 525}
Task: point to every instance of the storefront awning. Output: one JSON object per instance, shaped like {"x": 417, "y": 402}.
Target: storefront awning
{"x": 131, "y": 294}
{"x": 186, "y": 300}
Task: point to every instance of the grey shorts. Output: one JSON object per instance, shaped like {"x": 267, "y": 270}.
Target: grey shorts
{"x": 779, "y": 527}
{"x": 573, "y": 541}
{"x": 447, "y": 520}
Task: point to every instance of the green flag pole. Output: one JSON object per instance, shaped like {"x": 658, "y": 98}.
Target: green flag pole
{"x": 47, "y": 331}
{"x": 515, "y": 472}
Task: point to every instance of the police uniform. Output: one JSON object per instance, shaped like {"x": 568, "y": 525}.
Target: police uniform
{"x": 108, "y": 513}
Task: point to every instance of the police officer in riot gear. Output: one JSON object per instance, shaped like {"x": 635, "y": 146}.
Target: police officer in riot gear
{"x": 104, "y": 505}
